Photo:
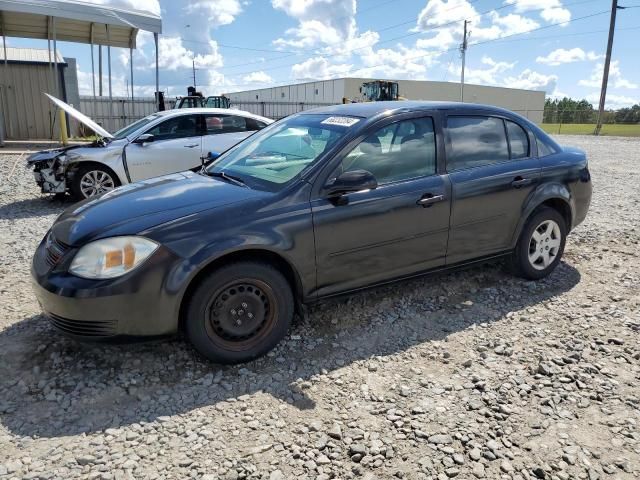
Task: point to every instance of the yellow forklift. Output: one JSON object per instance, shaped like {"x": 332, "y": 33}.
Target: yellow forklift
{"x": 377, "y": 91}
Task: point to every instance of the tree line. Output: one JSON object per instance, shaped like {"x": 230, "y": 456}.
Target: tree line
{"x": 568, "y": 110}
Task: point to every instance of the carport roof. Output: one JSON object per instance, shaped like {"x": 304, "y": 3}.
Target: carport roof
{"x": 74, "y": 20}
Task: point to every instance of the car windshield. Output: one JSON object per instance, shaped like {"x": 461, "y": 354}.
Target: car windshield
{"x": 282, "y": 151}
{"x": 128, "y": 130}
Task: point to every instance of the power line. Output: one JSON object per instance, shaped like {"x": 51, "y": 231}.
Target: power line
{"x": 277, "y": 67}
{"x": 319, "y": 51}
{"x": 453, "y": 49}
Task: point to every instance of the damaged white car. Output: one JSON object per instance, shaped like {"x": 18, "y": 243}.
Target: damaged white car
{"x": 162, "y": 143}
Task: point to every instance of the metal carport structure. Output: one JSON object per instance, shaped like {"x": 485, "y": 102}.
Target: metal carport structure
{"x": 80, "y": 22}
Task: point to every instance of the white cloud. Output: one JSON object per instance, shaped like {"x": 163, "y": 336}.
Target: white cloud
{"x": 552, "y": 10}
{"x": 337, "y": 15}
{"x": 531, "y": 80}
{"x": 486, "y": 76}
{"x": 444, "y": 20}
{"x": 152, "y": 6}
{"x": 258, "y": 77}
{"x": 615, "y": 77}
{"x": 613, "y": 101}
{"x": 561, "y": 55}
{"x": 219, "y": 12}
{"x": 328, "y": 24}
{"x": 400, "y": 61}
{"x": 318, "y": 68}
{"x": 174, "y": 55}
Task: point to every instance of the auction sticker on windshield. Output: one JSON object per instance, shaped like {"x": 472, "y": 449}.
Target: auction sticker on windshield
{"x": 342, "y": 121}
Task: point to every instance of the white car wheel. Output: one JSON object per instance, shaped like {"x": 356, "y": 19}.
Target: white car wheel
{"x": 96, "y": 182}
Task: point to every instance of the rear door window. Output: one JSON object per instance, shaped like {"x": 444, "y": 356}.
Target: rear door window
{"x": 518, "y": 140}
{"x": 545, "y": 147}
{"x": 220, "y": 123}
{"x": 476, "y": 141}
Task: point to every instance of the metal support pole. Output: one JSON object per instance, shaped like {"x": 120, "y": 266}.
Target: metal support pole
{"x": 155, "y": 39}
{"x": 132, "y": 41}
{"x": 55, "y": 59}
{"x": 52, "y": 120}
{"x": 93, "y": 68}
{"x": 131, "y": 69}
{"x": 607, "y": 61}
{"x": 111, "y": 121}
{"x": 100, "y": 70}
{"x": 5, "y": 77}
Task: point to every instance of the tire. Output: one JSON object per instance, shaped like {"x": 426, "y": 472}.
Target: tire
{"x": 254, "y": 311}
{"x": 103, "y": 178}
{"x": 535, "y": 258}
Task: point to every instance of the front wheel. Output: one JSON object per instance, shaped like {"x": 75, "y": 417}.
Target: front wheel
{"x": 540, "y": 245}
{"x": 239, "y": 312}
{"x": 92, "y": 180}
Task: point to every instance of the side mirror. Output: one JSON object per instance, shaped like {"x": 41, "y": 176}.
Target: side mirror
{"x": 350, "y": 182}
{"x": 211, "y": 156}
{"x": 144, "y": 138}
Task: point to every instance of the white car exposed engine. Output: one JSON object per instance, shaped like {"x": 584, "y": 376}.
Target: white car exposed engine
{"x": 161, "y": 143}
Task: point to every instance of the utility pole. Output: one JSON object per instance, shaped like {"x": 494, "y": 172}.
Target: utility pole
{"x": 607, "y": 61}
{"x": 193, "y": 63}
{"x": 463, "y": 51}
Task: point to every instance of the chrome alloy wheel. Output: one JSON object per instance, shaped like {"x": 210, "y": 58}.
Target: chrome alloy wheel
{"x": 95, "y": 182}
{"x": 544, "y": 244}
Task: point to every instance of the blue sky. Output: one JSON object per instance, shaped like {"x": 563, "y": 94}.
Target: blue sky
{"x": 245, "y": 44}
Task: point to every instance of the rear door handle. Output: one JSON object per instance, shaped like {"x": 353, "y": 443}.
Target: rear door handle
{"x": 191, "y": 146}
{"x": 429, "y": 199}
{"x": 521, "y": 182}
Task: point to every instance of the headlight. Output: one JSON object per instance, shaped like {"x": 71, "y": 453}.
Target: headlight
{"x": 111, "y": 257}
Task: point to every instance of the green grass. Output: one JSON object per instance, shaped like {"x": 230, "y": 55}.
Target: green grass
{"x": 588, "y": 128}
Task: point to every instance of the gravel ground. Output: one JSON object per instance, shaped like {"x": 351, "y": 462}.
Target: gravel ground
{"x": 472, "y": 374}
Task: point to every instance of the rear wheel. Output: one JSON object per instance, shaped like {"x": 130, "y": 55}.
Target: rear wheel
{"x": 540, "y": 245}
{"x": 91, "y": 180}
{"x": 239, "y": 312}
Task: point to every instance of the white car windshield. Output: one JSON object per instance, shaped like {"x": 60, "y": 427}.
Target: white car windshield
{"x": 128, "y": 130}
{"x": 282, "y": 151}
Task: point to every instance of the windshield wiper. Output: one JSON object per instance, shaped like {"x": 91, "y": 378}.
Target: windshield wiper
{"x": 228, "y": 178}
{"x": 274, "y": 152}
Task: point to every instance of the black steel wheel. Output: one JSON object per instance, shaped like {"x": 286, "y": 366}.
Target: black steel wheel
{"x": 239, "y": 312}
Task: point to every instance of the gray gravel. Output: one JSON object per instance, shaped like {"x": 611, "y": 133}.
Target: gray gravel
{"x": 473, "y": 374}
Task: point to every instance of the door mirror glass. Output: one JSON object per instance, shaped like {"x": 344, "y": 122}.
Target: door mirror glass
{"x": 352, "y": 181}
{"x": 144, "y": 138}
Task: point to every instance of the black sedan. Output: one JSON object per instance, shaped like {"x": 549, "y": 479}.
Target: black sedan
{"x": 321, "y": 203}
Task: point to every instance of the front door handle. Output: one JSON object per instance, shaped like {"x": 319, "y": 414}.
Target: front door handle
{"x": 521, "y": 182}
{"x": 190, "y": 146}
{"x": 429, "y": 199}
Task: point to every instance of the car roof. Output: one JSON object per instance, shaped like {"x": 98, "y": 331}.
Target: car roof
{"x": 225, "y": 111}
{"x": 372, "y": 109}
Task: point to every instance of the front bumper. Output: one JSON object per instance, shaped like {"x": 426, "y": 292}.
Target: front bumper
{"x": 134, "y": 305}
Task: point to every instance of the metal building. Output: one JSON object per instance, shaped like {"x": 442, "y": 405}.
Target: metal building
{"x": 25, "y": 112}
{"x": 277, "y": 102}
{"x": 73, "y": 21}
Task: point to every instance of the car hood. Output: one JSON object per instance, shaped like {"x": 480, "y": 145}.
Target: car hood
{"x": 135, "y": 207}
{"x": 81, "y": 117}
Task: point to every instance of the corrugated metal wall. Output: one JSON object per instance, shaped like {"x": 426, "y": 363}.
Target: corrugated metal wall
{"x": 27, "y": 113}
{"x": 285, "y": 100}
